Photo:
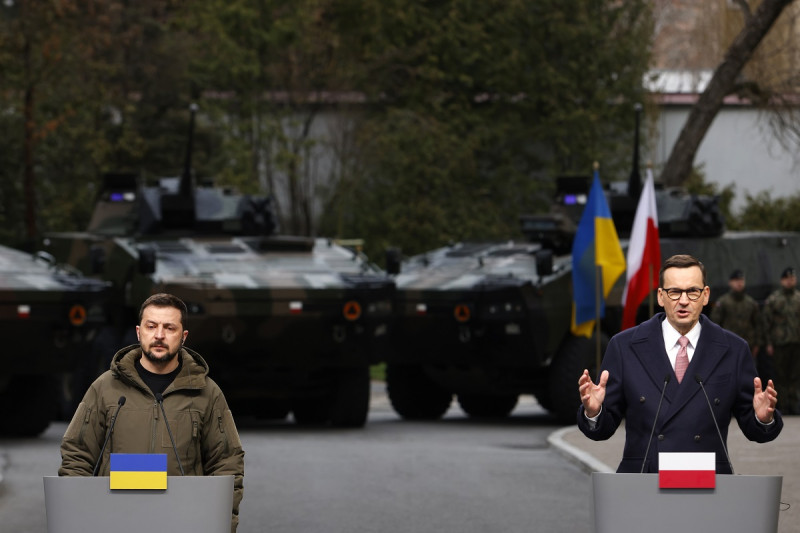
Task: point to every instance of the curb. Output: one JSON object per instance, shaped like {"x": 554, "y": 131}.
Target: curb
{"x": 586, "y": 462}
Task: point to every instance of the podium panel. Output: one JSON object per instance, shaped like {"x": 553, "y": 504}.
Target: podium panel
{"x": 632, "y": 503}
{"x": 88, "y": 505}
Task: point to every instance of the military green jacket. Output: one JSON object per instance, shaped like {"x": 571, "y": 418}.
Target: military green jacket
{"x": 739, "y": 313}
{"x": 201, "y": 423}
{"x": 782, "y": 317}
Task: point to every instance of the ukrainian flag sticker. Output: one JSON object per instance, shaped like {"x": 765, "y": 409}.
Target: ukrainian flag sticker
{"x": 138, "y": 471}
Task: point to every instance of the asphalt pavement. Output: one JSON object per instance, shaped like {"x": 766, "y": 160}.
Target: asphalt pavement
{"x": 777, "y": 458}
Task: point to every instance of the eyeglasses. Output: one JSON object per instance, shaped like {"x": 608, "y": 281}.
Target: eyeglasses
{"x": 693, "y": 293}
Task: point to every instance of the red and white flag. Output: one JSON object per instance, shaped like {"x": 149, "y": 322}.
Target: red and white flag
{"x": 644, "y": 254}
{"x": 686, "y": 470}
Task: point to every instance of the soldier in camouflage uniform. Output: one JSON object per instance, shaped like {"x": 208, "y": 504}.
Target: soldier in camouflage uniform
{"x": 738, "y": 312}
{"x": 782, "y": 332}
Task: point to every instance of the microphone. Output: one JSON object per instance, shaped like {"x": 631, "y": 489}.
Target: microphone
{"x": 699, "y": 380}
{"x": 120, "y": 403}
{"x": 160, "y": 400}
{"x": 655, "y": 420}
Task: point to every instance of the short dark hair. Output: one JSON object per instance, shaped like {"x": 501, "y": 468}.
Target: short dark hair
{"x": 681, "y": 261}
{"x": 165, "y": 300}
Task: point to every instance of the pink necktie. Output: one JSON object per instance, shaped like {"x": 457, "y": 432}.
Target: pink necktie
{"x": 683, "y": 358}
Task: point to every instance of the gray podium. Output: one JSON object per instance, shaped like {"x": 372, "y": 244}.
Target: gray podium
{"x": 632, "y": 503}
{"x": 88, "y": 505}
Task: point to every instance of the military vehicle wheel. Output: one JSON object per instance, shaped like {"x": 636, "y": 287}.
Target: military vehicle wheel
{"x": 32, "y": 404}
{"x": 542, "y": 395}
{"x": 414, "y": 395}
{"x": 574, "y": 355}
{"x": 350, "y": 405}
{"x": 311, "y": 411}
{"x": 487, "y": 405}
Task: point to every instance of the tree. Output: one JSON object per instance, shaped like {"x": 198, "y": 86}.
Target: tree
{"x": 35, "y": 50}
{"x": 88, "y": 87}
{"x": 276, "y": 69}
{"x": 456, "y": 114}
{"x": 762, "y": 212}
{"x": 724, "y": 81}
{"x": 475, "y": 106}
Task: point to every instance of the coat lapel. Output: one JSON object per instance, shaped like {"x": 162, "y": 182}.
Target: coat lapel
{"x": 648, "y": 347}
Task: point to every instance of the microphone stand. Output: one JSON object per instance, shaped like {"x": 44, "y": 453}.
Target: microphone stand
{"x": 714, "y": 418}
{"x": 655, "y": 421}
{"x": 160, "y": 400}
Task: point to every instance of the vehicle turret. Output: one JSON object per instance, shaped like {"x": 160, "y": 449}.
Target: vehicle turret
{"x": 287, "y": 323}
{"x": 485, "y": 322}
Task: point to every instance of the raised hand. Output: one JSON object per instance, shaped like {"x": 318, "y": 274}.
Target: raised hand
{"x": 764, "y": 401}
{"x": 592, "y": 395}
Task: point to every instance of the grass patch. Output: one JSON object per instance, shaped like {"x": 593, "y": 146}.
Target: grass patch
{"x": 378, "y": 372}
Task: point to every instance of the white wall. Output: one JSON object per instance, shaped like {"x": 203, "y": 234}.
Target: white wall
{"x": 739, "y": 148}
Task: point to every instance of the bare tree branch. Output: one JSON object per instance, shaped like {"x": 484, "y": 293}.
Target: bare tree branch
{"x": 745, "y": 7}
{"x": 723, "y": 82}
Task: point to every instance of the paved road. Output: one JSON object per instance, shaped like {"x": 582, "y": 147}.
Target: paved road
{"x": 455, "y": 475}
{"x": 459, "y": 475}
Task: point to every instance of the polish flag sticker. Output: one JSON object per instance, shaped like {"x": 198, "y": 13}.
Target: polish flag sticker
{"x": 687, "y": 470}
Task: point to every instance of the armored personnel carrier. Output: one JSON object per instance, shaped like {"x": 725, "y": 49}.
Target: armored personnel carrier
{"x": 286, "y": 323}
{"x": 487, "y": 322}
{"x": 49, "y": 317}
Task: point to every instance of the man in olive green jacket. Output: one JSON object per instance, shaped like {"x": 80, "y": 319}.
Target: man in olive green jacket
{"x": 160, "y": 367}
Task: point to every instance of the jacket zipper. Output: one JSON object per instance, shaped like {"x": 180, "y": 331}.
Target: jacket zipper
{"x": 153, "y": 429}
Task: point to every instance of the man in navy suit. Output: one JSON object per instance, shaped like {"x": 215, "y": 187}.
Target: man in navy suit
{"x": 641, "y": 361}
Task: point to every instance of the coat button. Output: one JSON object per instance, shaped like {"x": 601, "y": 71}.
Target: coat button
{"x": 716, "y": 401}
{"x": 661, "y": 437}
{"x": 697, "y": 438}
{"x": 641, "y": 399}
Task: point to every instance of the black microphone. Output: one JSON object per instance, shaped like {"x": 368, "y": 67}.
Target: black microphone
{"x": 655, "y": 420}
{"x": 699, "y": 380}
{"x": 160, "y": 400}
{"x": 120, "y": 403}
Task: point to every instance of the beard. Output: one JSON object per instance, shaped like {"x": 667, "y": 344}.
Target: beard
{"x": 160, "y": 360}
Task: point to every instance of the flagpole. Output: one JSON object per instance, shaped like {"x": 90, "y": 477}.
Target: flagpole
{"x": 597, "y": 293}
{"x": 650, "y": 272}
{"x": 597, "y": 289}
{"x": 649, "y": 282}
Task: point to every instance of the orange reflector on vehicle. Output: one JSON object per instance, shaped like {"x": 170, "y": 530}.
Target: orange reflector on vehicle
{"x": 461, "y": 312}
{"x": 351, "y": 310}
{"x": 24, "y": 311}
{"x": 77, "y": 315}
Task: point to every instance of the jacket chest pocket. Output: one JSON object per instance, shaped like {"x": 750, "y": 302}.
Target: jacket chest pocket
{"x": 186, "y": 431}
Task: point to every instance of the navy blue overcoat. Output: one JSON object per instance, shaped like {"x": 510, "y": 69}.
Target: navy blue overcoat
{"x": 638, "y": 365}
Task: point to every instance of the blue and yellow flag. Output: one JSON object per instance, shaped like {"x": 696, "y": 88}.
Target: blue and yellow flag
{"x": 596, "y": 245}
{"x": 138, "y": 471}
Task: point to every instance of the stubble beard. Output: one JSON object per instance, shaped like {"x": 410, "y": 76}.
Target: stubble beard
{"x": 160, "y": 360}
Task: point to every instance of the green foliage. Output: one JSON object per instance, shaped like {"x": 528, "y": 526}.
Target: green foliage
{"x": 276, "y": 60}
{"x": 762, "y": 212}
{"x": 475, "y": 105}
{"x": 378, "y": 372}
{"x": 102, "y": 85}
{"x": 403, "y": 123}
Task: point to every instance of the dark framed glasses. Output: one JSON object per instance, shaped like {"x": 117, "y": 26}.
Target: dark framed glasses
{"x": 693, "y": 293}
